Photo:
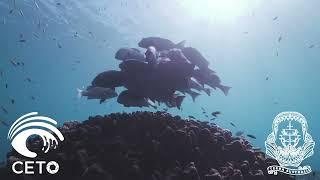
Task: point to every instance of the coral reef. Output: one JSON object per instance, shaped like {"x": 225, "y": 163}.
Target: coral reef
{"x": 148, "y": 146}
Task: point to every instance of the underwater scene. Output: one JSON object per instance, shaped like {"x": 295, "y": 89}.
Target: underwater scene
{"x": 159, "y": 90}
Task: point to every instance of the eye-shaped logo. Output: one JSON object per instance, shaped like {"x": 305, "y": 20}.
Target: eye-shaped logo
{"x": 31, "y": 124}
{"x": 289, "y": 143}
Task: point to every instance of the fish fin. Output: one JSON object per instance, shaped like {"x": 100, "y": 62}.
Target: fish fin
{"x": 179, "y": 101}
{"x": 152, "y": 104}
{"x": 136, "y": 49}
{"x": 102, "y": 100}
{"x": 79, "y": 93}
{"x": 225, "y": 89}
{"x": 181, "y": 44}
{"x": 208, "y": 91}
{"x": 194, "y": 95}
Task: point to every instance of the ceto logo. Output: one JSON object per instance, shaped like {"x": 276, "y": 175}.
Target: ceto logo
{"x": 289, "y": 143}
{"x": 27, "y": 126}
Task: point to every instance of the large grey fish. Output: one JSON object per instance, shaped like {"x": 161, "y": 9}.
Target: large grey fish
{"x": 160, "y": 43}
{"x": 196, "y": 58}
{"x": 211, "y": 79}
{"x": 134, "y": 66}
{"x": 129, "y": 53}
{"x": 109, "y": 79}
{"x": 100, "y": 93}
{"x": 129, "y": 99}
{"x": 176, "y": 55}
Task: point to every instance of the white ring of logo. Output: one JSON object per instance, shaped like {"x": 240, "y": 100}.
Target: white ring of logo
{"x": 31, "y": 124}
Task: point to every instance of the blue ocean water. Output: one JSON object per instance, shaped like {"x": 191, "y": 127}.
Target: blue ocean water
{"x": 68, "y": 43}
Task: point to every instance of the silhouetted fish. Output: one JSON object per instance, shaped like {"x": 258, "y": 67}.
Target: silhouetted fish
{"x": 251, "y": 136}
{"x": 232, "y": 124}
{"x": 129, "y": 53}
{"x": 100, "y": 93}
{"x": 280, "y": 38}
{"x": 191, "y": 117}
{"x": 239, "y": 133}
{"x": 4, "y": 110}
{"x": 311, "y": 46}
{"x": 3, "y": 122}
{"x": 275, "y": 18}
{"x": 160, "y": 43}
{"x": 216, "y": 113}
{"x": 28, "y": 79}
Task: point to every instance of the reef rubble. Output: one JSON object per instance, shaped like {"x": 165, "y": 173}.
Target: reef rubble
{"x": 148, "y": 146}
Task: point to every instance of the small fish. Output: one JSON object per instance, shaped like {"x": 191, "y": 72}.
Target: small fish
{"x": 203, "y": 109}
{"x": 232, "y": 124}
{"x": 191, "y": 117}
{"x": 28, "y": 79}
{"x": 75, "y": 34}
{"x": 216, "y": 113}
{"x": 59, "y": 45}
{"x": 58, "y": 4}
{"x": 267, "y": 78}
{"x": 4, "y": 110}
{"x": 212, "y": 119}
{"x": 22, "y": 40}
{"x": 12, "y": 101}
{"x": 280, "y": 38}
{"x": 275, "y": 18}
{"x": 21, "y": 13}
{"x": 246, "y": 32}
{"x": 256, "y": 149}
{"x": 311, "y": 46}
{"x": 251, "y": 136}
{"x": 33, "y": 98}
{"x": 5, "y": 124}
{"x": 206, "y": 116}
{"x": 6, "y": 85}
{"x": 239, "y": 133}
{"x": 13, "y": 62}
{"x": 36, "y": 4}
{"x": 39, "y": 24}
{"x": 36, "y": 36}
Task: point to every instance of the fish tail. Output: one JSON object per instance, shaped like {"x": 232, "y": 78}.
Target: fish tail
{"x": 207, "y": 91}
{"x": 224, "y": 89}
{"x": 152, "y": 104}
{"x": 181, "y": 44}
{"x": 179, "y": 101}
{"x": 194, "y": 95}
{"x": 79, "y": 92}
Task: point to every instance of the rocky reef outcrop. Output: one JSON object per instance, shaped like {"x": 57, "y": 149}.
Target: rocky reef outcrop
{"x": 148, "y": 146}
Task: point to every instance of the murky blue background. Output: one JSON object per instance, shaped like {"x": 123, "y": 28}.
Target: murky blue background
{"x": 242, "y": 49}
